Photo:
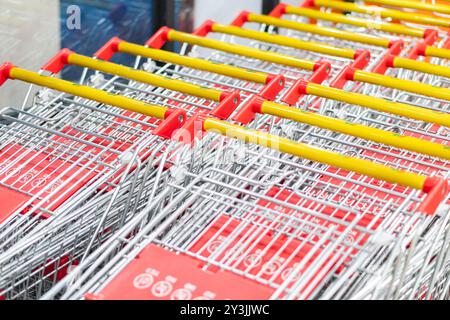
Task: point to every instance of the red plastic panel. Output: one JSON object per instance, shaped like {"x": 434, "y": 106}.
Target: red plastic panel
{"x": 10, "y": 201}
{"x": 159, "y": 274}
{"x": 268, "y": 257}
{"x": 33, "y": 173}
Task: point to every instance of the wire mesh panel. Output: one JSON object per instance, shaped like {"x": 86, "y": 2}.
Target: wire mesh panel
{"x": 283, "y": 226}
{"x": 99, "y": 198}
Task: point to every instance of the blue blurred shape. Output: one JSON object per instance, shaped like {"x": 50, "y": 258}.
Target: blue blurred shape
{"x": 130, "y": 20}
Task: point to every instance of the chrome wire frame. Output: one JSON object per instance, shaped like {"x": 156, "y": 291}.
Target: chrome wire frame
{"x": 260, "y": 194}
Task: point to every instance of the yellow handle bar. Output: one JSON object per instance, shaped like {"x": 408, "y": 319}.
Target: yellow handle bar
{"x": 420, "y": 66}
{"x": 357, "y": 130}
{"x": 302, "y": 150}
{"x": 89, "y": 93}
{"x": 285, "y": 41}
{"x": 401, "y": 109}
{"x": 436, "y": 7}
{"x": 195, "y": 63}
{"x": 431, "y": 51}
{"x": 145, "y": 77}
{"x": 323, "y": 31}
{"x": 241, "y": 50}
{"x": 384, "y": 13}
{"x": 339, "y": 18}
{"x": 400, "y": 84}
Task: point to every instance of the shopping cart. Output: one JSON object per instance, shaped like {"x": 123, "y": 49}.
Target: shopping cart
{"x": 415, "y": 19}
{"x": 292, "y": 68}
{"x": 133, "y": 152}
{"x": 64, "y": 150}
{"x": 273, "y": 23}
{"x": 195, "y": 70}
{"x": 274, "y": 225}
{"x": 309, "y": 50}
{"x": 38, "y": 239}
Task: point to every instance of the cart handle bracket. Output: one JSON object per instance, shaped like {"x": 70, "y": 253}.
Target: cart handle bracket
{"x": 204, "y": 29}
{"x": 346, "y": 74}
{"x": 298, "y": 89}
{"x": 274, "y": 84}
{"x": 193, "y": 128}
{"x": 159, "y": 39}
{"x": 5, "y": 72}
{"x": 228, "y": 103}
{"x": 109, "y": 49}
{"x": 429, "y": 38}
{"x": 248, "y": 112}
{"x": 278, "y": 11}
{"x": 174, "y": 119}
{"x": 58, "y": 62}
{"x": 241, "y": 19}
{"x": 436, "y": 190}
{"x": 386, "y": 61}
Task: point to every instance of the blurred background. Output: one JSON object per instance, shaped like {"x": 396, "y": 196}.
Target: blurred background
{"x": 32, "y": 31}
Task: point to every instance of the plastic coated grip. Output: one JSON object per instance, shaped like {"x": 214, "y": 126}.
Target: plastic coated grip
{"x": 339, "y": 18}
{"x": 241, "y": 50}
{"x": 302, "y": 150}
{"x": 384, "y": 13}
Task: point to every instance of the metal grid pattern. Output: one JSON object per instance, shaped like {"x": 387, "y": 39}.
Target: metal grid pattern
{"x": 95, "y": 188}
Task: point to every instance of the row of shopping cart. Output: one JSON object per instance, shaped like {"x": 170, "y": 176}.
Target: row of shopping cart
{"x": 298, "y": 155}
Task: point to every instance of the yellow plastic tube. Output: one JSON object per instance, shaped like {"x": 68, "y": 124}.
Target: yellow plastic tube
{"x": 401, "y": 109}
{"x": 357, "y": 130}
{"x": 89, "y": 93}
{"x": 144, "y": 77}
{"x": 241, "y": 50}
{"x": 419, "y": 5}
{"x": 302, "y": 150}
{"x": 400, "y": 84}
{"x": 385, "y": 13}
{"x": 195, "y": 63}
{"x": 359, "y": 22}
{"x": 431, "y": 51}
{"x": 323, "y": 31}
{"x": 420, "y": 66}
{"x": 285, "y": 41}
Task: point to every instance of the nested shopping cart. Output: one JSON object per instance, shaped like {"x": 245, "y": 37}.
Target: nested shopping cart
{"x": 291, "y": 67}
{"x": 67, "y": 57}
{"x": 49, "y": 178}
{"x": 352, "y": 44}
{"x": 274, "y": 225}
{"x": 195, "y": 70}
{"x": 375, "y": 26}
{"x": 432, "y": 7}
{"x": 308, "y": 50}
{"x": 410, "y": 35}
{"x": 42, "y": 238}
{"x": 132, "y": 140}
